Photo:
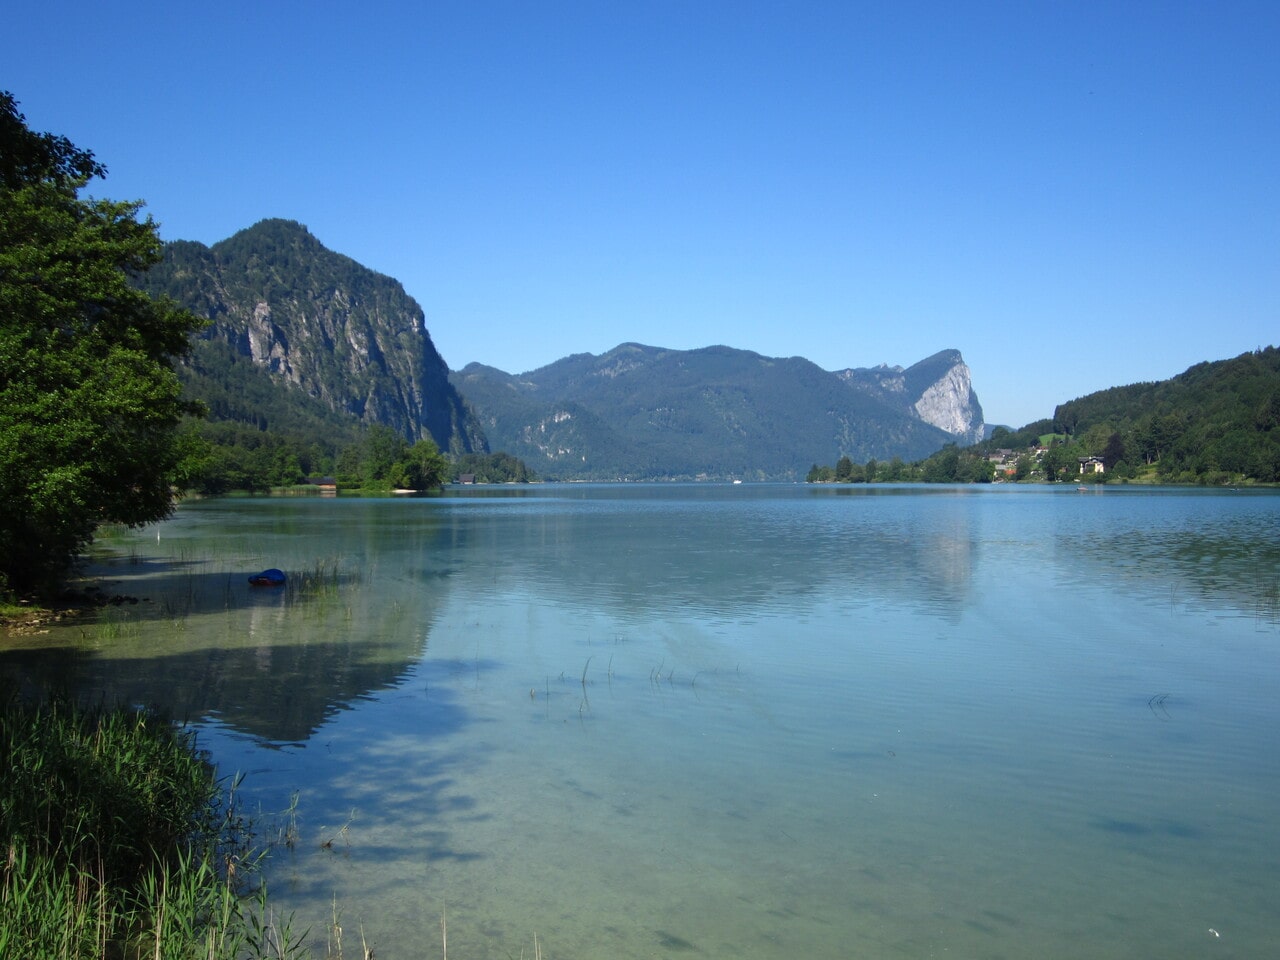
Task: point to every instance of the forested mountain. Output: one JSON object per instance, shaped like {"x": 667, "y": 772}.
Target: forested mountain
{"x": 1219, "y": 418}
{"x": 640, "y": 412}
{"x": 348, "y": 344}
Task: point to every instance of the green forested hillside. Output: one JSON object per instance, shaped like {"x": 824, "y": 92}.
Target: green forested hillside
{"x": 258, "y": 433}
{"x": 1218, "y": 420}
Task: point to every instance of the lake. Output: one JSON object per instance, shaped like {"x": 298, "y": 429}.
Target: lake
{"x": 754, "y": 721}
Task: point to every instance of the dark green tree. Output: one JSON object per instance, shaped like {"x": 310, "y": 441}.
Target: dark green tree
{"x": 943, "y": 466}
{"x": 1114, "y": 451}
{"x": 1267, "y": 416}
{"x": 1053, "y": 462}
{"x": 347, "y": 465}
{"x": 894, "y": 471}
{"x": 500, "y": 467}
{"x": 422, "y": 468}
{"x": 286, "y": 468}
{"x": 380, "y": 450}
{"x": 89, "y": 401}
{"x": 823, "y": 474}
{"x": 1060, "y": 462}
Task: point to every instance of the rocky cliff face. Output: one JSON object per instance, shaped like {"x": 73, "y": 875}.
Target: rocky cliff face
{"x": 938, "y": 390}
{"x": 320, "y": 322}
{"x": 951, "y": 405}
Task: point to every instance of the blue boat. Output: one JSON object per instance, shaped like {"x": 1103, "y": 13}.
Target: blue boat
{"x": 268, "y": 578}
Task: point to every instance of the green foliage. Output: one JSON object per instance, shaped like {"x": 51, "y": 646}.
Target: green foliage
{"x": 845, "y": 471}
{"x": 491, "y": 468}
{"x": 121, "y": 843}
{"x": 75, "y": 777}
{"x": 953, "y": 465}
{"x": 942, "y": 467}
{"x": 948, "y": 465}
{"x": 89, "y": 400}
{"x": 383, "y": 460}
{"x": 28, "y": 157}
{"x": 820, "y": 474}
{"x": 420, "y": 467}
{"x": 894, "y": 471}
{"x": 1059, "y": 462}
{"x": 381, "y": 449}
{"x": 1215, "y": 423}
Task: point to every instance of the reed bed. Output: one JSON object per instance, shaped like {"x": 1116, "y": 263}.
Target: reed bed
{"x": 123, "y": 844}
{"x": 323, "y": 580}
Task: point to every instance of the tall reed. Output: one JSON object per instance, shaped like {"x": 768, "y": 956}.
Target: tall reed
{"x": 122, "y": 843}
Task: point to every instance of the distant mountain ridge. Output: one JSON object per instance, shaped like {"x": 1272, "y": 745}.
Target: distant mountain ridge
{"x": 308, "y": 343}
{"x": 330, "y": 334}
{"x": 640, "y": 412}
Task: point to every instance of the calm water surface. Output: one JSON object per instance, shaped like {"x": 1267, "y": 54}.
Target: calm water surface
{"x": 748, "y": 722}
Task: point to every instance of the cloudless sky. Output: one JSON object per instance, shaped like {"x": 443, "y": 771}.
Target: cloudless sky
{"x": 1075, "y": 195}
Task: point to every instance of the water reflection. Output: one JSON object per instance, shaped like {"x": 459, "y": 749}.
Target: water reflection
{"x": 884, "y": 721}
{"x": 1181, "y": 547}
{"x": 274, "y": 693}
{"x": 275, "y": 664}
{"x": 697, "y": 550}
{"x": 193, "y": 638}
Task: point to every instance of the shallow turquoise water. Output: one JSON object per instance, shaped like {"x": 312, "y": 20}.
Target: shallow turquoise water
{"x": 753, "y": 721}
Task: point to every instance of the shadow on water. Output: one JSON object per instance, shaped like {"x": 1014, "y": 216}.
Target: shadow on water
{"x": 166, "y": 588}
{"x": 195, "y": 640}
{"x": 275, "y": 694}
{"x": 273, "y": 713}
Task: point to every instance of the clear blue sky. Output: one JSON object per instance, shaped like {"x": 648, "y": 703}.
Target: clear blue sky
{"x": 1075, "y": 195}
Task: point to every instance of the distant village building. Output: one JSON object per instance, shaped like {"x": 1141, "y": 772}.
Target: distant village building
{"x": 1092, "y": 465}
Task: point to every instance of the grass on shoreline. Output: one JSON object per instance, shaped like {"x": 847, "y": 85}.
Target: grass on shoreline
{"x": 122, "y": 843}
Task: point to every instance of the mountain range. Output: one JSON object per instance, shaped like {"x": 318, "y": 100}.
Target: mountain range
{"x": 305, "y": 337}
{"x": 641, "y": 412}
